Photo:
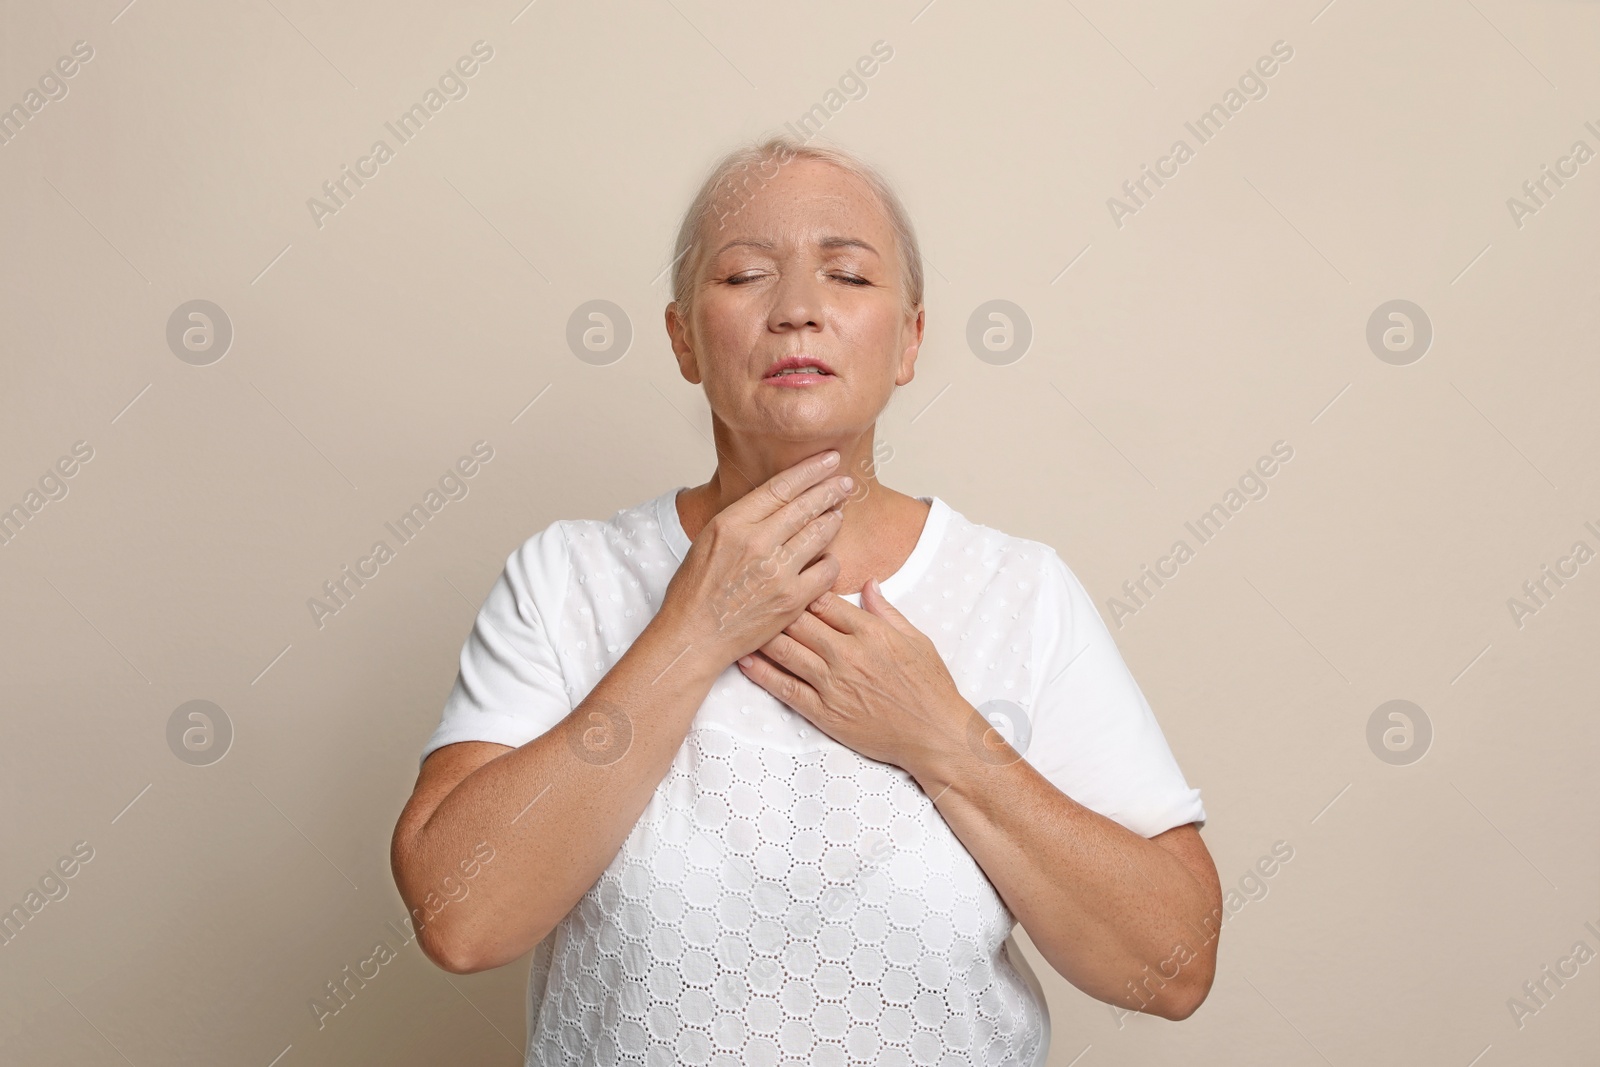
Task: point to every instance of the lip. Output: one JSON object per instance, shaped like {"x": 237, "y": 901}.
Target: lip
{"x": 797, "y": 381}
{"x": 824, "y": 371}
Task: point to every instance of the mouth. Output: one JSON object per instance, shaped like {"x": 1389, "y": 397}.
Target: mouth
{"x": 798, "y": 370}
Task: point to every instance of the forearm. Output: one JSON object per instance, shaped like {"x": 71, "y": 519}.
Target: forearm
{"x": 557, "y": 809}
{"x": 1106, "y": 907}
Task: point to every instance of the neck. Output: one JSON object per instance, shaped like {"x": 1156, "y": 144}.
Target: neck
{"x": 745, "y": 463}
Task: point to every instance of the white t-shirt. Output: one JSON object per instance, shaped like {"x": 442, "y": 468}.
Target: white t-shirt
{"x": 784, "y": 899}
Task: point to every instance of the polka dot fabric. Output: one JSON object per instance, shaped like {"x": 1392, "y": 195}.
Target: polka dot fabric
{"x": 782, "y": 899}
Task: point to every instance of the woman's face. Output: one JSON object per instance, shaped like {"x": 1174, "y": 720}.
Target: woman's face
{"x": 804, "y": 264}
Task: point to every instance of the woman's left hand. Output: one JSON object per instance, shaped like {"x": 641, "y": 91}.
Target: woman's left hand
{"x": 869, "y": 679}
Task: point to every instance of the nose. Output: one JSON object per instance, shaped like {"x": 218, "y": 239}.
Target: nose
{"x": 796, "y": 302}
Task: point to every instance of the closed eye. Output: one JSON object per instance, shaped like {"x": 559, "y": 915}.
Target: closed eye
{"x": 851, "y": 279}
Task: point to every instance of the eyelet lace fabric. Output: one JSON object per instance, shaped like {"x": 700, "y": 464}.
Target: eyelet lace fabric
{"x": 775, "y": 908}
{"x": 784, "y": 900}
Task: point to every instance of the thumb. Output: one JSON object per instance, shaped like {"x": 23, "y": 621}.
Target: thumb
{"x": 879, "y": 605}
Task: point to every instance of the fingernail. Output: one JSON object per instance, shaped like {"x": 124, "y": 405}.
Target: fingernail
{"x": 830, "y": 459}
{"x": 847, "y": 483}
{"x": 745, "y": 661}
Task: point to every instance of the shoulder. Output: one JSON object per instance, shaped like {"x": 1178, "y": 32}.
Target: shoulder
{"x": 539, "y": 564}
{"x": 1060, "y": 609}
{"x": 550, "y": 556}
{"x": 1033, "y": 564}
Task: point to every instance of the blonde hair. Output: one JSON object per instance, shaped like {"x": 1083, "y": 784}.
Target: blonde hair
{"x": 732, "y": 177}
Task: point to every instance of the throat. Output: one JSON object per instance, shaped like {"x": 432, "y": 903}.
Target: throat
{"x": 880, "y": 545}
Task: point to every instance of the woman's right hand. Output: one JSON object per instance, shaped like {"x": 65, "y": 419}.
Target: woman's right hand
{"x": 750, "y": 572}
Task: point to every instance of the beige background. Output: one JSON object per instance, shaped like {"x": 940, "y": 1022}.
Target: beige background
{"x": 431, "y": 311}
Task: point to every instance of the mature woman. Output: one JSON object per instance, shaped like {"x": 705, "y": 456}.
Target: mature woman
{"x": 767, "y": 769}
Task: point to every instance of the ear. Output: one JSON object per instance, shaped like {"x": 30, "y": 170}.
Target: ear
{"x": 682, "y": 348}
{"x": 912, "y": 330}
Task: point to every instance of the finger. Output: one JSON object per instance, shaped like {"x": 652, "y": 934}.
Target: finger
{"x": 796, "y": 658}
{"x": 816, "y": 635}
{"x": 810, "y": 520}
{"x": 820, "y": 575}
{"x": 837, "y": 612}
{"x": 781, "y": 684}
{"x": 776, "y": 494}
{"x": 812, "y": 539}
{"x": 872, "y": 598}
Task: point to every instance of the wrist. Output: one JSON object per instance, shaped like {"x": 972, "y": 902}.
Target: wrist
{"x": 688, "y": 650}
{"x": 963, "y": 757}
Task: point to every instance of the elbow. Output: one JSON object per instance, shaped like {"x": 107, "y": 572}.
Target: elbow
{"x": 449, "y": 954}
{"x": 1184, "y": 1008}
{"x": 1185, "y": 998}
{"x": 458, "y": 953}
{"x": 457, "y": 935}
{"x": 1170, "y": 990}
{"x": 443, "y": 945}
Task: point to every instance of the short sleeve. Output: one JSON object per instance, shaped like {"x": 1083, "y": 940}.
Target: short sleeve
{"x": 510, "y": 688}
{"x": 1093, "y": 734}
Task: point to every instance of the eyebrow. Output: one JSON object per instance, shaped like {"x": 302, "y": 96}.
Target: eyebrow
{"x": 830, "y": 242}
